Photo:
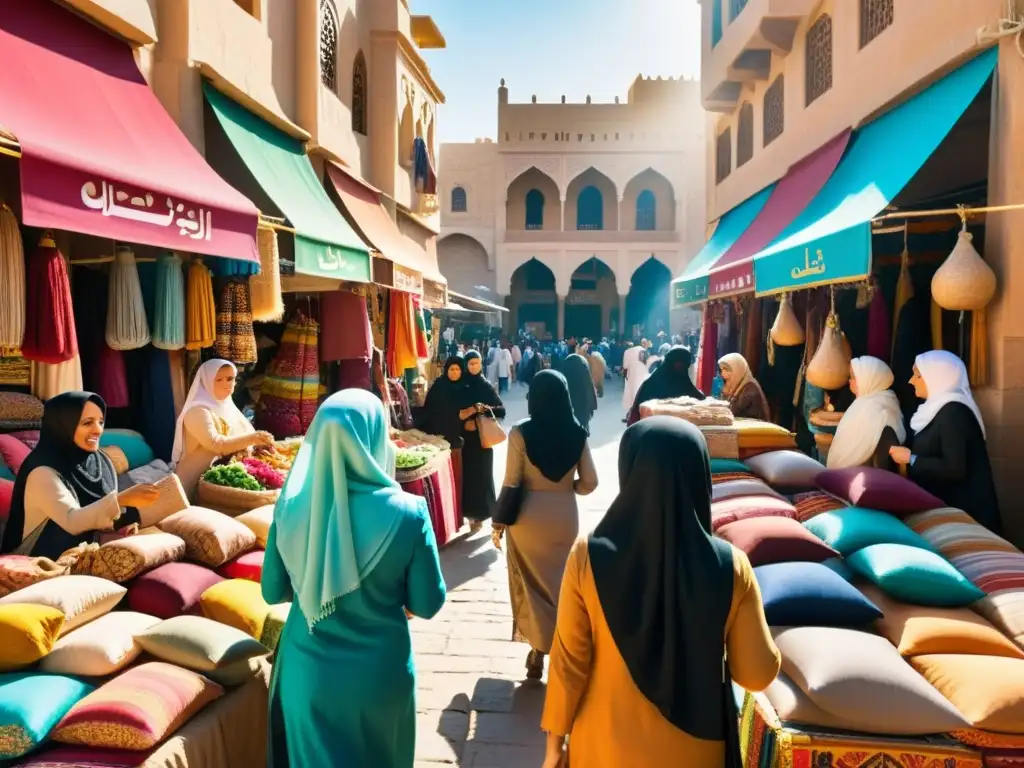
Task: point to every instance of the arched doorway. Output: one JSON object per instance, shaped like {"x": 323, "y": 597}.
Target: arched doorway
{"x": 534, "y": 303}
{"x": 647, "y": 304}
{"x": 592, "y": 303}
{"x": 463, "y": 260}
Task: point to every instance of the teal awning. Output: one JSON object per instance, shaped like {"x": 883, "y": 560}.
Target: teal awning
{"x": 692, "y": 285}
{"x": 325, "y": 243}
{"x": 830, "y": 242}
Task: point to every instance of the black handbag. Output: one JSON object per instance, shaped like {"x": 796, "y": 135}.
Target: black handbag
{"x": 510, "y": 501}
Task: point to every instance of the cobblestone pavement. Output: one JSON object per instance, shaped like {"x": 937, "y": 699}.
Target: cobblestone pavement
{"x": 475, "y": 708}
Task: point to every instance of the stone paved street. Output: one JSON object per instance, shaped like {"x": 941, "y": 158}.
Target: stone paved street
{"x": 475, "y": 707}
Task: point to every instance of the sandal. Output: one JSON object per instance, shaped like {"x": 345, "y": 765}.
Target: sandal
{"x": 534, "y": 665}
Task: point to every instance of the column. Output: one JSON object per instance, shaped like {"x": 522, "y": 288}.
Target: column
{"x": 561, "y": 318}
{"x": 623, "y": 330}
{"x": 562, "y": 198}
{"x": 619, "y": 216}
{"x": 504, "y": 318}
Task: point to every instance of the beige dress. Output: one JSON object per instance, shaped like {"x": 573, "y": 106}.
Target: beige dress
{"x": 539, "y": 542}
{"x": 47, "y": 497}
{"x": 205, "y": 440}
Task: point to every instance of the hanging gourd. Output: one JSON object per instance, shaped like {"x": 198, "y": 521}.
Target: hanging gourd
{"x": 127, "y": 325}
{"x": 964, "y": 282}
{"x": 830, "y": 366}
{"x": 786, "y": 330}
{"x": 265, "y": 288}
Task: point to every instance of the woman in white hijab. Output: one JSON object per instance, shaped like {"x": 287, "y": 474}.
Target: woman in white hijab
{"x": 210, "y": 424}
{"x": 634, "y": 366}
{"x": 873, "y": 424}
{"x": 948, "y": 456}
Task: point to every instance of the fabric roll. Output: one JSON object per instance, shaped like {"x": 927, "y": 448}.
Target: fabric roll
{"x": 169, "y": 308}
{"x": 879, "y": 329}
{"x": 200, "y": 312}
{"x": 103, "y": 368}
{"x": 12, "y": 278}
{"x": 50, "y": 332}
{"x": 265, "y": 288}
{"x": 346, "y": 331}
{"x": 236, "y": 340}
{"x": 127, "y": 325}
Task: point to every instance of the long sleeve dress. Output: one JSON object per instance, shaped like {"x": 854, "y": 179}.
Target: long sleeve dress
{"x": 539, "y": 542}
{"x": 204, "y": 441}
{"x": 591, "y": 695}
{"x": 343, "y": 695}
{"x": 478, "y": 499}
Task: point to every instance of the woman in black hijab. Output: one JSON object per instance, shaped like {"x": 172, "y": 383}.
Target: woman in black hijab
{"x": 478, "y": 398}
{"x": 671, "y": 379}
{"x": 548, "y": 458}
{"x": 650, "y": 604}
{"x": 445, "y": 398}
{"x": 66, "y": 490}
{"x": 576, "y": 370}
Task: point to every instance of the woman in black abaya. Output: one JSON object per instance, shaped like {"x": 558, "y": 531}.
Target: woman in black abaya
{"x": 671, "y": 379}
{"x": 478, "y": 399}
{"x": 576, "y": 370}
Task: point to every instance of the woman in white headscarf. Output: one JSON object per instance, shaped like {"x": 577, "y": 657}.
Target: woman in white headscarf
{"x": 873, "y": 424}
{"x": 745, "y": 396}
{"x": 210, "y": 424}
{"x": 948, "y": 456}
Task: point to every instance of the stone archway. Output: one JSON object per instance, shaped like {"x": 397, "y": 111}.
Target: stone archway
{"x": 591, "y": 202}
{"x": 533, "y": 302}
{"x": 532, "y": 202}
{"x": 591, "y": 307}
{"x": 647, "y": 304}
{"x": 463, "y": 261}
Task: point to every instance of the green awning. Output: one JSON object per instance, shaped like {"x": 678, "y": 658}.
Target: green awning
{"x": 325, "y": 243}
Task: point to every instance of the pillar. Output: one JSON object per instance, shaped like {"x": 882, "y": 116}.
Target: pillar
{"x": 562, "y": 199}
{"x": 561, "y": 318}
{"x": 622, "y": 315}
{"x": 512, "y": 316}
{"x": 619, "y": 216}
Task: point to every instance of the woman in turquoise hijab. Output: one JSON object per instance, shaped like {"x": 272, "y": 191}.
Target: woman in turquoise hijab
{"x": 353, "y": 553}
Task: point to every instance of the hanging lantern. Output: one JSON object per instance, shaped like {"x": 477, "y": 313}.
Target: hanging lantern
{"x": 786, "y": 330}
{"x": 830, "y": 366}
{"x": 964, "y": 282}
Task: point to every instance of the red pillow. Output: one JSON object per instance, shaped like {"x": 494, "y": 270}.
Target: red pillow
{"x": 171, "y": 590}
{"x": 877, "y": 489}
{"x": 13, "y": 452}
{"x": 767, "y": 540}
{"x": 6, "y": 494}
{"x": 248, "y": 566}
{"x": 743, "y": 507}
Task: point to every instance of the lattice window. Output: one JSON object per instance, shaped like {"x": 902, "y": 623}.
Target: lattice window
{"x": 535, "y": 209}
{"x": 359, "y": 85}
{"x": 875, "y": 17}
{"x": 460, "y": 204}
{"x": 328, "y": 45}
{"x": 773, "y": 116}
{"x": 735, "y": 8}
{"x": 818, "y": 58}
{"x": 745, "y": 135}
{"x": 723, "y": 156}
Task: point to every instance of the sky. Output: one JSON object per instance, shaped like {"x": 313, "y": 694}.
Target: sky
{"x": 550, "y": 48}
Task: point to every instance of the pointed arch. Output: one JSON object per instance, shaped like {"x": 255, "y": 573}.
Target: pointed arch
{"x": 329, "y": 45}
{"x": 359, "y": 94}
{"x": 532, "y": 202}
{"x": 405, "y": 137}
{"x": 649, "y": 203}
{"x": 646, "y": 211}
{"x": 535, "y": 209}
{"x": 593, "y": 201}
{"x": 460, "y": 202}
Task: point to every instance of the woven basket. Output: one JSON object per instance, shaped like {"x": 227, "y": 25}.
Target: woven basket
{"x": 964, "y": 281}
{"x": 723, "y": 442}
{"x": 232, "y": 501}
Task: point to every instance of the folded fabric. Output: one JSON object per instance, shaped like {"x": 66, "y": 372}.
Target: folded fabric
{"x": 238, "y": 603}
{"x": 987, "y": 690}
{"x": 218, "y": 651}
{"x": 953, "y": 533}
{"x": 30, "y": 705}
{"x": 80, "y": 598}
{"x": 877, "y": 489}
{"x": 786, "y": 470}
{"x": 810, "y": 594}
{"x": 914, "y": 575}
{"x": 810, "y": 504}
{"x": 102, "y": 647}
{"x": 852, "y": 528}
{"x": 743, "y": 507}
{"x": 768, "y": 540}
{"x": 171, "y": 589}
{"x": 27, "y": 634}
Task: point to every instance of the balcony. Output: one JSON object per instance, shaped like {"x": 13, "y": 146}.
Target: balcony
{"x": 751, "y": 32}
{"x": 595, "y": 236}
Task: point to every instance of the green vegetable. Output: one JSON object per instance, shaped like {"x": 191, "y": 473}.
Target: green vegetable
{"x": 409, "y": 458}
{"x": 232, "y": 476}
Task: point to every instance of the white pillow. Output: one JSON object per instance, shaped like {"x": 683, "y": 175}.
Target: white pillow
{"x": 80, "y": 598}
{"x": 102, "y": 647}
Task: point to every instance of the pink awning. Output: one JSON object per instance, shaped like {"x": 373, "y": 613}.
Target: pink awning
{"x": 99, "y": 153}
{"x": 734, "y": 270}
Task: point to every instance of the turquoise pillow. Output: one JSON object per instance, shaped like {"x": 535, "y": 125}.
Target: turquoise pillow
{"x": 722, "y": 466}
{"x": 837, "y": 565}
{"x": 852, "y": 528}
{"x": 31, "y": 704}
{"x": 914, "y": 575}
{"x": 134, "y": 445}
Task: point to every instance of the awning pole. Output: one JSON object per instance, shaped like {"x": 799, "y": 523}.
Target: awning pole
{"x": 960, "y": 210}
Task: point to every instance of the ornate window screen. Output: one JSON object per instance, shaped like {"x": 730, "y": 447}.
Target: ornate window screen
{"x": 723, "y": 156}
{"x": 745, "y": 135}
{"x": 359, "y": 85}
{"x": 773, "y": 115}
{"x": 328, "y": 46}
{"x": 875, "y": 17}
{"x": 818, "y": 59}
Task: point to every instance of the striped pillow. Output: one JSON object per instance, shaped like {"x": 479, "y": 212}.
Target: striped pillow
{"x": 954, "y": 533}
{"x": 1005, "y": 609}
{"x": 813, "y": 503}
{"x": 993, "y": 571}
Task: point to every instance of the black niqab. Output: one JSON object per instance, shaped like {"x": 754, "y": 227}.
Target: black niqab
{"x": 664, "y": 582}
{"x": 445, "y": 398}
{"x": 553, "y": 436}
{"x": 478, "y": 389}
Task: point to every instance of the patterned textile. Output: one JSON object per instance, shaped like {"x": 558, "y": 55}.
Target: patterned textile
{"x": 813, "y": 503}
{"x": 18, "y": 571}
{"x": 29, "y": 437}
{"x": 725, "y": 477}
{"x": 236, "y": 340}
{"x": 15, "y": 371}
{"x": 290, "y": 392}
{"x": 954, "y": 533}
{"x": 16, "y": 407}
{"x": 124, "y": 559}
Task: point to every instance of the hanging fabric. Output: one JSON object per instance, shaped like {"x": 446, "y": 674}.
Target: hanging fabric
{"x": 345, "y": 333}
{"x": 236, "y": 340}
{"x": 423, "y": 169}
{"x": 401, "y": 347}
{"x": 103, "y": 368}
{"x": 290, "y": 392}
{"x": 978, "y": 361}
{"x": 708, "y": 358}
{"x": 200, "y": 312}
{"x": 752, "y": 340}
{"x": 904, "y": 292}
{"x": 879, "y": 330}
{"x": 936, "y": 325}
{"x": 52, "y": 379}
{"x": 127, "y": 326}
{"x": 50, "y": 335}
{"x": 169, "y": 307}
{"x": 265, "y": 288}
{"x": 422, "y": 342}
{"x": 12, "y": 278}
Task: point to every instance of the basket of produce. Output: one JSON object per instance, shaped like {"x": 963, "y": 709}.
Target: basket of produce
{"x": 418, "y": 455}
{"x": 248, "y": 480}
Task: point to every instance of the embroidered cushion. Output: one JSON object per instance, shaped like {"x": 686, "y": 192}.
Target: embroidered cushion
{"x": 877, "y": 489}
{"x": 987, "y": 690}
{"x": 27, "y": 634}
{"x": 211, "y": 538}
{"x": 80, "y": 598}
{"x": 809, "y": 594}
{"x": 131, "y": 443}
{"x": 13, "y": 452}
{"x": 786, "y": 470}
{"x": 30, "y": 705}
{"x": 768, "y": 540}
{"x": 863, "y": 680}
{"x": 171, "y": 589}
{"x": 742, "y": 507}
{"x": 274, "y": 625}
{"x": 102, "y": 647}
{"x": 238, "y": 603}
{"x": 126, "y": 558}
{"x": 953, "y": 533}
{"x": 853, "y": 528}
{"x": 137, "y": 709}
{"x": 258, "y": 521}
{"x": 914, "y": 575}
{"x": 19, "y": 571}
{"x": 218, "y": 651}
{"x": 810, "y": 504}
{"x": 248, "y": 566}
{"x": 738, "y": 488}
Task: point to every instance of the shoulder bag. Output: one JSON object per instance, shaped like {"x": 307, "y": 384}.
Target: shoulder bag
{"x": 490, "y": 431}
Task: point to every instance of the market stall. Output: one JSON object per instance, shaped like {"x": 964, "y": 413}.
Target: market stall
{"x": 426, "y": 468}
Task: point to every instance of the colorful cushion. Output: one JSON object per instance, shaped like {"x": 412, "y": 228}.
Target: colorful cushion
{"x": 30, "y": 705}
{"x": 117, "y": 458}
{"x": 27, "y": 634}
{"x": 238, "y": 603}
{"x": 953, "y": 533}
{"x": 80, "y": 598}
{"x": 994, "y": 571}
{"x": 211, "y": 538}
{"x": 126, "y": 558}
{"x": 6, "y": 473}
{"x": 862, "y": 679}
{"x": 19, "y": 571}
{"x": 248, "y": 566}
{"x": 853, "y": 528}
{"x": 274, "y": 625}
{"x": 914, "y": 575}
{"x": 788, "y": 470}
{"x": 792, "y": 705}
{"x": 131, "y": 443}
{"x": 987, "y": 690}
{"x": 1005, "y": 609}
{"x": 13, "y": 452}
{"x": 171, "y": 589}
{"x": 738, "y": 488}
{"x": 18, "y": 407}
{"x": 802, "y": 594}
{"x": 102, "y": 647}
{"x": 728, "y": 477}
{"x": 63, "y": 756}
{"x": 722, "y": 466}
{"x": 877, "y": 489}
{"x": 810, "y": 504}
{"x": 258, "y": 521}
{"x": 137, "y": 709}
{"x": 839, "y": 567}
{"x": 916, "y": 631}
{"x": 743, "y": 507}
{"x": 218, "y": 651}
{"x": 768, "y": 540}
{"x": 761, "y": 434}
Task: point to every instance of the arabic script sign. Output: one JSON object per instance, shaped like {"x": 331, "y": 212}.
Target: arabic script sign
{"x": 736, "y": 278}
{"x": 689, "y": 291}
{"x": 111, "y": 199}
{"x": 332, "y": 261}
{"x": 839, "y": 256}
